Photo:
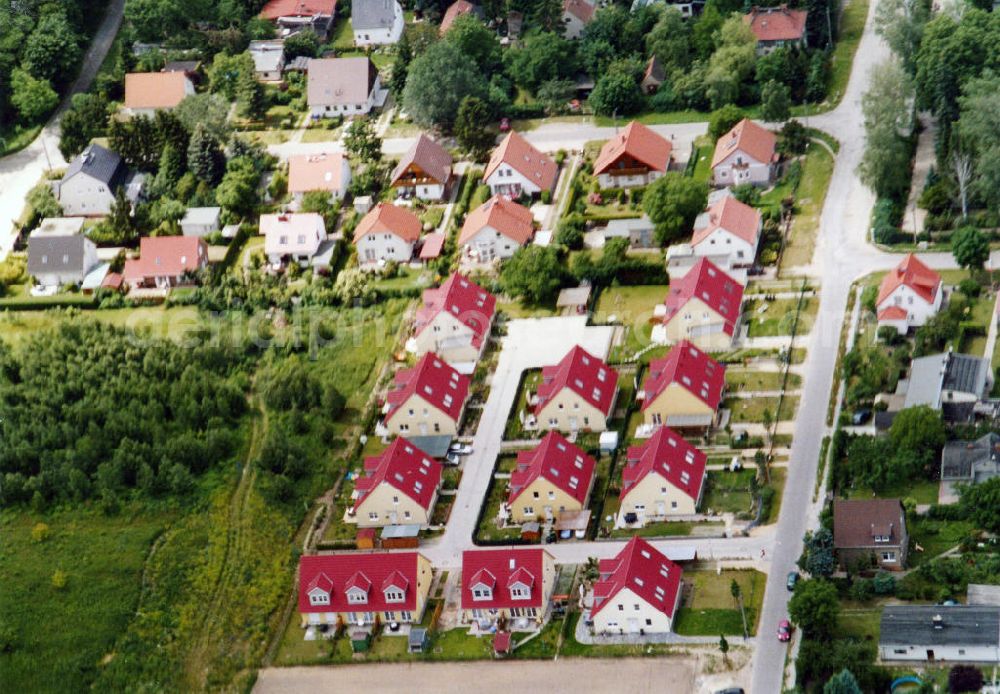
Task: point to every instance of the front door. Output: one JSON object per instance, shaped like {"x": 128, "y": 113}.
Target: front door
{"x": 548, "y": 512}
{"x": 661, "y": 508}
{"x": 930, "y": 655}
{"x": 573, "y": 426}
{"x": 633, "y": 626}
{"x": 423, "y": 428}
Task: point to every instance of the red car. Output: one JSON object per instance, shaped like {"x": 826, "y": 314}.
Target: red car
{"x": 784, "y": 630}
{"x": 504, "y": 124}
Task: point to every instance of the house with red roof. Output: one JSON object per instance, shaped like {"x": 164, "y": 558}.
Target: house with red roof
{"x": 577, "y": 394}
{"x": 663, "y": 477}
{"x": 682, "y": 389}
{"x": 454, "y": 11}
{"x": 517, "y": 168}
{"x": 294, "y": 16}
{"x": 426, "y": 400}
{"x": 728, "y": 227}
{"x": 328, "y": 172}
{"x": 638, "y": 591}
{"x": 496, "y": 229}
{"x": 424, "y": 171}
{"x": 149, "y": 92}
{"x": 166, "y": 261}
{"x": 746, "y": 154}
{"x": 363, "y": 588}
{"x": 576, "y": 16}
{"x": 508, "y": 583}
{"x": 909, "y": 295}
{"x": 636, "y": 156}
{"x": 387, "y": 233}
{"x": 776, "y": 27}
{"x": 552, "y": 477}
{"x": 399, "y": 487}
{"x": 703, "y": 306}
{"x": 454, "y": 322}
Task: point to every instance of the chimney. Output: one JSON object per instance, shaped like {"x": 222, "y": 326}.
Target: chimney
{"x": 511, "y": 564}
{"x": 938, "y": 621}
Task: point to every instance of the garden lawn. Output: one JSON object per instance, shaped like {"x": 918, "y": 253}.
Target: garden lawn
{"x": 759, "y": 380}
{"x": 922, "y": 491}
{"x": 710, "y": 609}
{"x": 666, "y": 528}
{"x": 935, "y": 537}
{"x": 406, "y": 278}
{"x": 852, "y": 26}
{"x": 728, "y": 492}
{"x": 488, "y": 529}
{"x": 779, "y": 317}
{"x": 632, "y": 306}
{"x": 703, "y": 150}
{"x": 816, "y": 172}
{"x": 751, "y": 410}
{"x": 859, "y": 623}
{"x": 530, "y": 380}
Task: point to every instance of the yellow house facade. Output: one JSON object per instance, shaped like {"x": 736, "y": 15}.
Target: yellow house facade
{"x": 415, "y": 416}
{"x": 701, "y": 324}
{"x": 451, "y": 339}
{"x": 655, "y": 497}
{"x": 568, "y": 411}
{"x": 387, "y": 505}
{"x": 674, "y": 402}
{"x": 630, "y": 613}
{"x": 499, "y": 592}
{"x": 543, "y": 500}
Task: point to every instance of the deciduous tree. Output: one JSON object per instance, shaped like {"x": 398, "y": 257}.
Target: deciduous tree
{"x": 970, "y": 248}
{"x": 673, "y": 202}
{"x": 534, "y": 273}
{"x": 438, "y": 81}
{"x": 814, "y": 606}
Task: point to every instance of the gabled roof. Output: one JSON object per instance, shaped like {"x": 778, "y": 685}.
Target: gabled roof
{"x": 638, "y": 142}
{"x": 333, "y": 574}
{"x": 454, "y": 11}
{"x": 584, "y": 374}
{"x": 857, "y": 521}
{"x": 581, "y": 9}
{"x": 776, "y": 23}
{"x": 645, "y": 571}
{"x": 654, "y": 71}
{"x": 275, "y": 9}
{"x": 892, "y": 312}
{"x": 511, "y": 219}
{"x": 55, "y": 253}
{"x": 432, "y": 158}
{"x": 316, "y": 172}
{"x": 100, "y": 164}
{"x": 389, "y": 219}
{"x": 340, "y": 81}
{"x": 155, "y": 89}
{"x": 729, "y": 214}
{"x": 517, "y": 153}
{"x": 372, "y": 14}
{"x": 166, "y": 256}
{"x": 691, "y": 369}
{"x": 433, "y": 380}
{"x": 671, "y": 457}
{"x": 469, "y": 303}
{"x": 960, "y": 626}
{"x": 494, "y": 568}
{"x": 404, "y": 467}
{"x": 711, "y": 285}
{"x": 754, "y": 140}
{"x": 292, "y": 233}
{"x": 558, "y": 461}
{"x": 914, "y": 274}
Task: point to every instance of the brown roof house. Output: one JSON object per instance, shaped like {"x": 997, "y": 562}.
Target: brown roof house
{"x": 517, "y": 168}
{"x": 870, "y": 533}
{"x": 653, "y": 77}
{"x": 746, "y": 154}
{"x": 149, "y": 92}
{"x": 577, "y": 15}
{"x": 775, "y": 27}
{"x": 496, "y": 229}
{"x": 636, "y": 156}
{"x": 343, "y": 87}
{"x": 324, "y": 171}
{"x": 424, "y": 171}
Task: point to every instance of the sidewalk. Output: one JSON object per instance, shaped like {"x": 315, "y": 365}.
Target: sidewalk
{"x": 922, "y": 163}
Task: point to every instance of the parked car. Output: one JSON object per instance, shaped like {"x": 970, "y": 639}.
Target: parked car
{"x": 504, "y": 124}
{"x": 460, "y": 448}
{"x": 452, "y": 459}
{"x": 860, "y": 417}
{"x": 784, "y": 630}
{"x": 731, "y": 690}
{"x": 793, "y": 578}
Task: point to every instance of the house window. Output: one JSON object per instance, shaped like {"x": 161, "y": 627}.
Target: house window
{"x": 481, "y": 592}
{"x": 394, "y": 595}
{"x": 888, "y": 556}
{"x": 406, "y": 515}
{"x": 534, "y": 495}
{"x": 357, "y": 597}
{"x": 404, "y": 427}
{"x": 552, "y": 496}
{"x": 899, "y": 651}
{"x": 406, "y": 616}
{"x": 529, "y": 510}
{"x": 395, "y": 499}
{"x": 621, "y": 608}
{"x": 649, "y": 622}
{"x": 372, "y": 515}
{"x": 319, "y": 598}
{"x": 520, "y": 593}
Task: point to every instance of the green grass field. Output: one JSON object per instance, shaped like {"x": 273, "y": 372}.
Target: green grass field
{"x": 779, "y": 317}
{"x": 629, "y": 305}
{"x": 816, "y": 172}
{"x": 711, "y": 610}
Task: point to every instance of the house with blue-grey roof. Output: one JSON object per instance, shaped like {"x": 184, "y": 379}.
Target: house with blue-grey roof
{"x": 376, "y": 22}
{"x": 945, "y": 633}
{"x": 88, "y": 188}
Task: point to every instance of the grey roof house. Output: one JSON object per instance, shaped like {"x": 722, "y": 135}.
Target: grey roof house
{"x": 201, "y": 221}
{"x": 376, "y": 22}
{"x": 929, "y": 633}
{"x": 268, "y": 59}
{"x": 971, "y": 461}
{"x": 343, "y": 86}
{"x": 88, "y": 187}
{"x": 56, "y": 259}
{"x": 950, "y": 382}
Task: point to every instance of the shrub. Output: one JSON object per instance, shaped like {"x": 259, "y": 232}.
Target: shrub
{"x": 969, "y": 287}
{"x": 40, "y": 533}
{"x": 59, "y": 579}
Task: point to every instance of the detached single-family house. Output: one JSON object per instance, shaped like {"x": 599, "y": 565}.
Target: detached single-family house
{"x": 653, "y": 77}
{"x": 326, "y": 172}
{"x": 149, "y": 92}
{"x": 971, "y": 462}
{"x": 426, "y": 400}
{"x": 909, "y": 295}
{"x": 746, "y": 154}
{"x": 662, "y": 477}
{"x": 950, "y": 382}
{"x": 166, "y": 261}
{"x": 399, "y": 487}
{"x": 89, "y": 186}
{"x": 454, "y": 11}
{"x": 776, "y": 27}
{"x": 292, "y": 237}
{"x": 386, "y": 233}
{"x": 454, "y": 321}
{"x": 496, "y": 229}
{"x": 376, "y": 22}
{"x": 513, "y": 584}
{"x": 552, "y": 477}
{"x": 294, "y": 16}
{"x": 577, "y": 394}
{"x": 424, "y": 171}
{"x": 268, "y": 59}
{"x": 730, "y": 227}
{"x": 636, "y": 156}
{"x": 201, "y": 221}
{"x": 703, "y": 306}
{"x": 870, "y": 533}
{"x": 517, "y": 168}
{"x": 940, "y": 634}
{"x": 343, "y": 87}
{"x": 687, "y": 8}
{"x": 682, "y": 389}
{"x": 576, "y": 15}
{"x": 369, "y": 588}
{"x": 638, "y": 591}
{"x": 56, "y": 259}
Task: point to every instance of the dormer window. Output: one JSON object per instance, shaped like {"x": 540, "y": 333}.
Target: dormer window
{"x": 482, "y": 592}
{"x": 319, "y": 597}
{"x": 394, "y": 594}
{"x": 519, "y": 591}
{"x": 356, "y": 596}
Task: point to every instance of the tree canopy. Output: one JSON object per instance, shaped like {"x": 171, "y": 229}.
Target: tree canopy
{"x": 673, "y": 202}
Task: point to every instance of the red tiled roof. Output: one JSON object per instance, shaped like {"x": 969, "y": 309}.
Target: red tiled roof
{"x": 892, "y": 313}
{"x": 581, "y": 9}
{"x": 495, "y": 568}
{"x": 643, "y": 570}
{"x": 403, "y": 466}
{"x": 729, "y": 214}
{"x": 454, "y": 11}
{"x": 711, "y": 285}
{"x": 518, "y": 153}
{"x": 557, "y": 460}
{"x": 432, "y": 158}
{"x": 274, "y": 9}
{"x": 433, "y": 243}
{"x": 776, "y": 23}
{"x": 690, "y": 368}
{"x": 667, "y": 454}
{"x": 472, "y": 305}
{"x": 433, "y": 380}
{"x": 389, "y": 219}
{"x": 584, "y": 374}
{"x": 155, "y": 89}
{"x": 503, "y": 214}
{"x": 333, "y": 574}
{"x": 914, "y": 274}
{"x": 166, "y": 256}
{"x": 112, "y": 280}
{"x": 638, "y": 142}
{"x": 323, "y": 171}
{"x": 752, "y": 139}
